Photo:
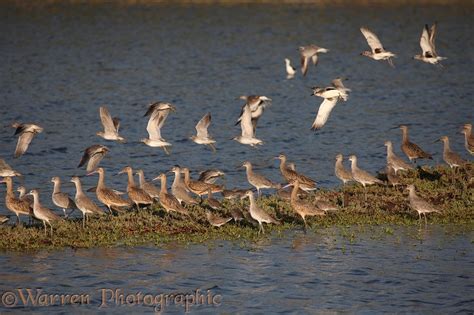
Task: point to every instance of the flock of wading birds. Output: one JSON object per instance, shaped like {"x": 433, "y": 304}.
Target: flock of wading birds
{"x": 146, "y": 193}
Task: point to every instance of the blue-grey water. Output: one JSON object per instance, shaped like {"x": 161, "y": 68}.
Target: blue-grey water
{"x": 60, "y": 63}
{"x": 410, "y": 271}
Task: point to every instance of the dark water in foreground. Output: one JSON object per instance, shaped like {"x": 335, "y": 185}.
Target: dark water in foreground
{"x": 59, "y": 65}
{"x": 409, "y": 271}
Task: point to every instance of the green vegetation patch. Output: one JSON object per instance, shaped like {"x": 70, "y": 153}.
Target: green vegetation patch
{"x": 385, "y": 206}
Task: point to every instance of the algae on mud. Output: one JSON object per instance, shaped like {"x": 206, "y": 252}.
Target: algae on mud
{"x": 453, "y": 192}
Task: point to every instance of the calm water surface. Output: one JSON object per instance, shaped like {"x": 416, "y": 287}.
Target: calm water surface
{"x": 59, "y": 65}
{"x": 411, "y": 270}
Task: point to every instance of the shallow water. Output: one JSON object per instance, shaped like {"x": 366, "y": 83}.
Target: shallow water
{"x": 410, "y": 271}
{"x": 60, "y": 64}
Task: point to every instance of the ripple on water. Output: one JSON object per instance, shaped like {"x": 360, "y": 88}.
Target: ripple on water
{"x": 202, "y": 59}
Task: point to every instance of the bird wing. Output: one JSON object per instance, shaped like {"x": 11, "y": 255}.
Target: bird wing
{"x": 210, "y": 176}
{"x": 50, "y": 214}
{"x": 323, "y": 113}
{"x": 372, "y": 40}
{"x": 470, "y": 141}
{"x": 154, "y": 126}
{"x": 4, "y": 165}
{"x": 425, "y": 42}
{"x": 106, "y": 119}
{"x": 163, "y": 114}
{"x": 337, "y": 83}
{"x": 116, "y": 122}
{"x": 262, "y": 179}
{"x": 151, "y": 189}
{"x": 94, "y": 160}
{"x": 113, "y": 198}
{"x": 432, "y": 36}
{"x": 139, "y": 195}
{"x": 246, "y": 123}
{"x": 202, "y": 125}
{"x": 254, "y": 101}
{"x": 267, "y": 218}
{"x": 87, "y": 203}
{"x": 456, "y": 158}
{"x": 240, "y": 115}
{"x": 94, "y": 154}
{"x": 169, "y": 201}
{"x": 88, "y": 152}
{"x": 304, "y": 64}
{"x": 19, "y": 128}
{"x": 151, "y": 109}
{"x": 416, "y": 150}
{"x": 154, "y": 108}
{"x": 423, "y": 204}
{"x": 24, "y": 141}
{"x": 366, "y": 176}
{"x": 85, "y": 157}
{"x": 62, "y": 199}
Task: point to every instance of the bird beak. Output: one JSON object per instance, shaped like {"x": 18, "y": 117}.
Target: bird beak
{"x": 124, "y": 170}
{"x": 396, "y": 127}
{"x": 156, "y": 178}
{"x": 91, "y": 173}
{"x": 173, "y": 108}
{"x": 438, "y": 140}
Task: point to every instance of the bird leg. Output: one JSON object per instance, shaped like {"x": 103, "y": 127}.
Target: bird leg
{"x": 45, "y": 232}
{"x": 343, "y": 194}
{"x": 426, "y": 221}
{"x": 51, "y": 226}
{"x": 390, "y": 62}
{"x": 419, "y": 217}
{"x": 83, "y": 220}
{"x": 213, "y": 148}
